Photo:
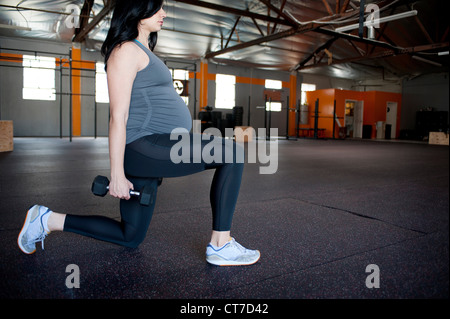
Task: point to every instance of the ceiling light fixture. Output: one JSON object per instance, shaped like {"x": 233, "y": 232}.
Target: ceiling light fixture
{"x": 381, "y": 20}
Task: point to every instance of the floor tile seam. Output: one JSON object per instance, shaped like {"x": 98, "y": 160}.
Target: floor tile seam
{"x": 344, "y": 211}
{"x": 361, "y": 216}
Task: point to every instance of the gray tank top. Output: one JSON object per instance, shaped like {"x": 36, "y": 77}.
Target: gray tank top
{"x": 155, "y": 106}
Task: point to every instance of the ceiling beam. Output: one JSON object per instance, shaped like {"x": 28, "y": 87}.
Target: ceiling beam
{"x": 232, "y": 31}
{"x": 257, "y": 26}
{"x": 344, "y": 6}
{"x": 244, "y": 45}
{"x": 352, "y": 38}
{"x": 283, "y": 34}
{"x": 298, "y": 29}
{"x": 239, "y": 12}
{"x": 84, "y": 15}
{"x": 83, "y": 33}
{"x": 327, "y": 6}
{"x": 281, "y": 9}
{"x": 326, "y": 45}
{"x": 355, "y": 38}
{"x": 358, "y": 50}
{"x": 382, "y": 54}
{"x": 18, "y": 8}
{"x": 280, "y": 12}
{"x": 426, "y": 47}
{"x": 421, "y": 26}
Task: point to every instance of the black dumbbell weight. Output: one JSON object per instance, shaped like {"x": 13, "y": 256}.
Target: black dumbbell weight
{"x": 100, "y": 187}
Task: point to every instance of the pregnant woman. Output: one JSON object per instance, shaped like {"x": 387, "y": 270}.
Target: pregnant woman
{"x": 144, "y": 110}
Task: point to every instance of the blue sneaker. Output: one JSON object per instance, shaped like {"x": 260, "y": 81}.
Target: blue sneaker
{"x": 231, "y": 254}
{"x": 33, "y": 230}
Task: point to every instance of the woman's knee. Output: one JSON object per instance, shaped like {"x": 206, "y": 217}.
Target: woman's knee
{"x": 133, "y": 237}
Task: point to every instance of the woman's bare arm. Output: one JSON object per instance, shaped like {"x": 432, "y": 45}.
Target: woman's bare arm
{"x": 123, "y": 64}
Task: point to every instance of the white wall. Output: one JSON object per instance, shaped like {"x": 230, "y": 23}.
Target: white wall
{"x": 44, "y": 118}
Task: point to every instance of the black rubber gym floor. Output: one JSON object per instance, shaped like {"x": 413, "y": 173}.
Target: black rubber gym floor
{"x": 332, "y": 209}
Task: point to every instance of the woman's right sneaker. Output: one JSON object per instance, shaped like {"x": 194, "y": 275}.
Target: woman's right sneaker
{"x": 33, "y": 229}
{"x": 231, "y": 254}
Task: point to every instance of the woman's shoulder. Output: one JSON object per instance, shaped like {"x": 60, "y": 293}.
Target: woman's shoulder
{"x": 126, "y": 51}
{"x": 128, "y": 54}
{"x": 126, "y": 48}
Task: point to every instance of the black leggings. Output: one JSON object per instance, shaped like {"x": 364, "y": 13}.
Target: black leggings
{"x": 148, "y": 159}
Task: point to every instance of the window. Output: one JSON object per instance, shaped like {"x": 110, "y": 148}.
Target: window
{"x": 101, "y": 84}
{"x": 274, "y": 85}
{"x": 349, "y": 107}
{"x": 305, "y": 88}
{"x": 275, "y": 104}
{"x": 38, "y": 78}
{"x": 225, "y": 91}
{"x": 180, "y": 74}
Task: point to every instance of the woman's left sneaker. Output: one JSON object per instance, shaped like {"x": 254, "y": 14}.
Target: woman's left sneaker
{"x": 33, "y": 229}
{"x": 231, "y": 254}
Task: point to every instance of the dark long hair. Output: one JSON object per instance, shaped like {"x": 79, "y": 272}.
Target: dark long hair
{"x": 125, "y": 21}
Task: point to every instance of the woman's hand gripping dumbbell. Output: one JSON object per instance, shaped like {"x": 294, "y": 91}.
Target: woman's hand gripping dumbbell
{"x": 100, "y": 187}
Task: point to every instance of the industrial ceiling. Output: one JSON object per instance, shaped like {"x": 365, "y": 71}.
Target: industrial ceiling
{"x": 288, "y": 35}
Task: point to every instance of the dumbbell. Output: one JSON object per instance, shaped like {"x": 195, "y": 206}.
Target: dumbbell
{"x": 100, "y": 187}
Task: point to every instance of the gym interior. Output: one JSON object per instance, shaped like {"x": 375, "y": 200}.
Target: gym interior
{"x": 350, "y": 97}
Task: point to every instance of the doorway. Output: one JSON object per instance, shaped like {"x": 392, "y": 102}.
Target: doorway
{"x": 391, "y": 119}
{"x": 354, "y": 111}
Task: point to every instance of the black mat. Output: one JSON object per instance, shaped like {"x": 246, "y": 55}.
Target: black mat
{"x": 332, "y": 209}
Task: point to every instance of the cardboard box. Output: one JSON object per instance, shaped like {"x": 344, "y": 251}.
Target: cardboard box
{"x": 243, "y": 134}
{"x": 6, "y": 136}
{"x": 438, "y": 138}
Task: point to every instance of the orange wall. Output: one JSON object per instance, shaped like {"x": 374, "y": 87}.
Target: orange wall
{"x": 292, "y": 103}
{"x": 76, "y": 91}
{"x": 374, "y": 108}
